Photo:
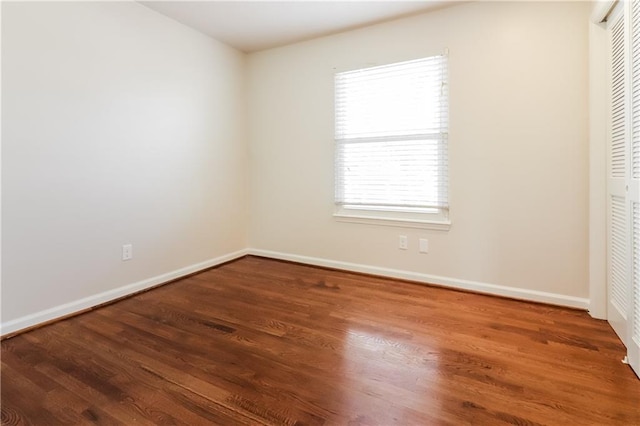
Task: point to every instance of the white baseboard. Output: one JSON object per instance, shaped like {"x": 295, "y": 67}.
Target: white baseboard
{"x": 480, "y": 287}
{"x": 80, "y": 305}
{"x": 70, "y": 308}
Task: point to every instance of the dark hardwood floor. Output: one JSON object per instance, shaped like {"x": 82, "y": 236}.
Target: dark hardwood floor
{"x": 258, "y": 341}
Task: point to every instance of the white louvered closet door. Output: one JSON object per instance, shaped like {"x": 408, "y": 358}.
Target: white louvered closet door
{"x": 617, "y": 211}
{"x": 632, "y": 188}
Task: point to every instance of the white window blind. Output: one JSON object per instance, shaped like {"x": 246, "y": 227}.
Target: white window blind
{"x": 391, "y": 131}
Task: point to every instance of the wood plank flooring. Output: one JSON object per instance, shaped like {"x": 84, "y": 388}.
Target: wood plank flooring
{"x": 258, "y": 341}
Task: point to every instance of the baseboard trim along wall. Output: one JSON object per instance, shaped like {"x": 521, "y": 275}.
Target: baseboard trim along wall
{"x": 78, "y": 306}
{"x": 81, "y": 305}
{"x": 454, "y": 283}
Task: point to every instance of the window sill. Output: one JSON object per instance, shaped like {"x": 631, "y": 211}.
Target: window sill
{"x": 393, "y": 221}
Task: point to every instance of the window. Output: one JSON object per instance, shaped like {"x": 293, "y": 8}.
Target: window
{"x": 391, "y": 131}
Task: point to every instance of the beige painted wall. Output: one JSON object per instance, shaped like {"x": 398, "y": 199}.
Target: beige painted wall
{"x": 518, "y": 146}
{"x": 122, "y": 126}
{"x": 598, "y": 113}
{"x": 119, "y": 126}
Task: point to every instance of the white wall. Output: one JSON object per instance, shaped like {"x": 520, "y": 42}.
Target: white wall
{"x": 598, "y": 113}
{"x": 518, "y": 147}
{"x": 119, "y": 126}
{"x": 122, "y": 126}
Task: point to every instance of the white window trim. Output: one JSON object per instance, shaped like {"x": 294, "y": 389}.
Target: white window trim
{"x": 434, "y": 219}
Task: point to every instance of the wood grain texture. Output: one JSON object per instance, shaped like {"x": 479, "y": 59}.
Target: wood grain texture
{"x": 259, "y": 341}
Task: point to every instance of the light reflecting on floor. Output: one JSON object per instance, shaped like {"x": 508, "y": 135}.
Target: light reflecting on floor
{"x": 384, "y": 369}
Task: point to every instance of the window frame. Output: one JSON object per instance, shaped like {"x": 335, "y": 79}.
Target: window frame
{"x": 423, "y": 218}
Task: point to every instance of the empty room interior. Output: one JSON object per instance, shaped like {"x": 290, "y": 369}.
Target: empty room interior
{"x": 320, "y": 213}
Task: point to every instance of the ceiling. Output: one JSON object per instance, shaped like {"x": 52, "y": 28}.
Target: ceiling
{"x": 251, "y": 26}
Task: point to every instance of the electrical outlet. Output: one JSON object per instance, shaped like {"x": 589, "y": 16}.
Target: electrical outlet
{"x": 403, "y": 243}
{"x": 424, "y": 245}
{"x": 127, "y": 252}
